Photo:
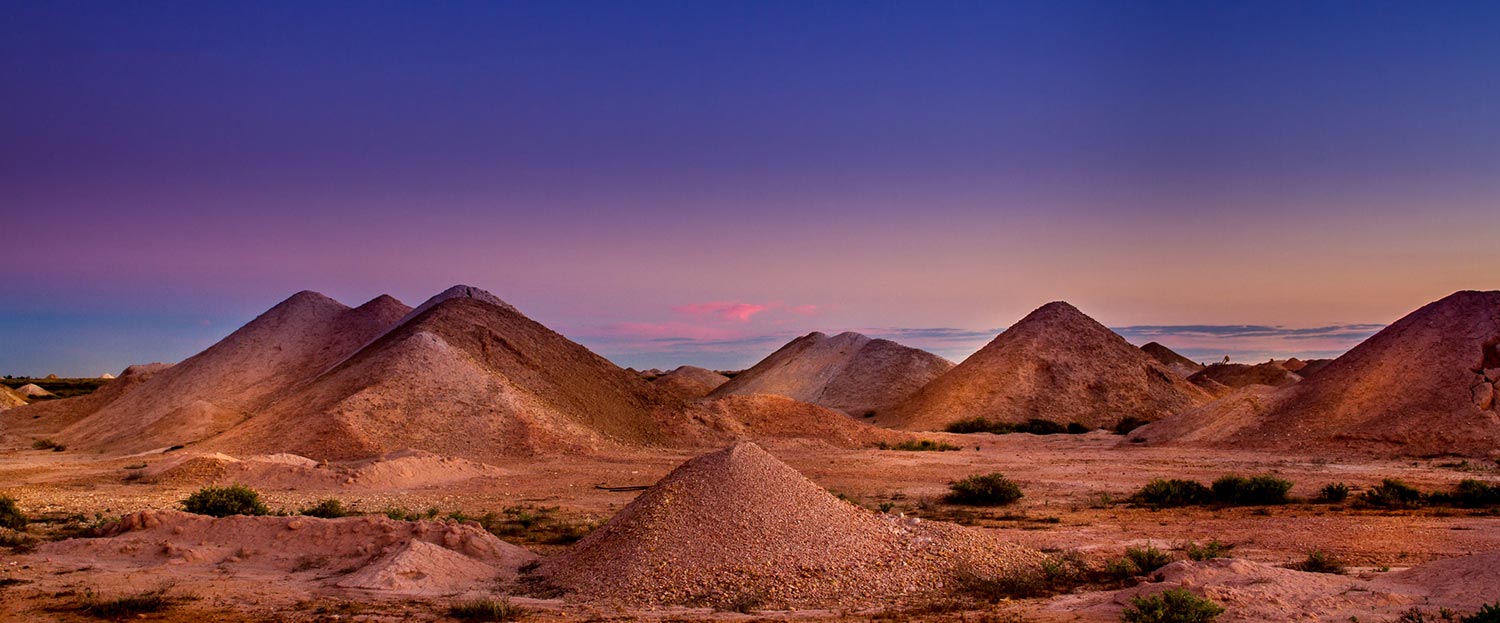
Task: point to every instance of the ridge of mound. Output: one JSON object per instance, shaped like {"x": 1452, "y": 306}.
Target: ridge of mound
{"x": 1425, "y": 385}
{"x": 1057, "y": 364}
{"x": 1179, "y": 365}
{"x": 465, "y": 378}
{"x": 739, "y": 524}
{"x": 384, "y": 554}
{"x": 1237, "y": 375}
{"x": 849, "y": 372}
{"x": 690, "y": 382}
{"x": 238, "y": 376}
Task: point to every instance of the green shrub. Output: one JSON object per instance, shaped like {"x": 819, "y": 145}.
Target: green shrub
{"x": 1173, "y": 606}
{"x": 486, "y": 611}
{"x": 1120, "y": 568}
{"x": 1489, "y": 613}
{"x": 1392, "y": 493}
{"x": 331, "y": 508}
{"x": 1074, "y": 428}
{"x": 977, "y": 424}
{"x": 1129, "y": 423}
{"x": 225, "y": 501}
{"x": 984, "y": 490}
{"x": 1319, "y": 562}
{"x": 1039, "y": 426}
{"x": 1475, "y": 494}
{"x": 920, "y": 445}
{"x": 1035, "y": 426}
{"x": 1253, "y": 491}
{"x": 1333, "y": 493}
{"x": 1207, "y": 551}
{"x": 1147, "y": 559}
{"x": 11, "y": 515}
{"x": 1169, "y": 493}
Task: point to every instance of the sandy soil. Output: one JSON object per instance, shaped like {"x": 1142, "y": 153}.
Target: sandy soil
{"x": 1070, "y": 482}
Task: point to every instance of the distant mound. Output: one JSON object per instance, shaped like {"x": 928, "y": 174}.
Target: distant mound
{"x": 1237, "y": 375}
{"x": 466, "y": 377}
{"x": 32, "y": 390}
{"x": 740, "y": 526}
{"x": 370, "y": 552}
{"x": 1292, "y": 365}
{"x": 1056, "y": 364}
{"x": 717, "y": 421}
{"x": 49, "y": 417}
{"x": 405, "y": 469}
{"x": 1179, "y": 365}
{"x": 690, "y": 382}
{"x": 107, "y": 376}
{"x": 1312, "y": 366}
{"x": 849, "y": 372}
{"x": 1425, "y": 385}
{"x": 241, "y": 375}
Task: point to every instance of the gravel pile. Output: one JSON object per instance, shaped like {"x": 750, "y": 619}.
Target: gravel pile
{"x": 739, "y": 527}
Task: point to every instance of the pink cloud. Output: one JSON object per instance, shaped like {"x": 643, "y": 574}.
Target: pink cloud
{"x": 723, "y": 310}
{"x": 805, "y": 310}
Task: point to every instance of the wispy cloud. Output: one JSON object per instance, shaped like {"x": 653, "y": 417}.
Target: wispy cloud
{"x": 722, "y": 310}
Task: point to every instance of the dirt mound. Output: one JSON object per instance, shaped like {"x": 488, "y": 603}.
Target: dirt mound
{"x": 1292, "y": 365}
{"x": 371, "y": 553}
{"x": 690, "y": 382}
{"x": 32, "y": 390}
{"x": 466, "y": 377}
{"x": 740, "y": 526}
{"x": 48, "y": 417}
{"x": 404, "y": 469}
{"x": 717, "y": 421}
{"x": 1464, "y": 583}
{"x": 1425, "y": 385}
{"x": 1237, "y": 375}
{"x": 1056, "y": 364}
{"x": 849, "y": 372}
{"x": 107, "y": 376}
{"x": 1179, "y": 365}
{"x": 10, "y": 398}
{"x": 1312, "y": 366}
{"x": 240, "y": 375}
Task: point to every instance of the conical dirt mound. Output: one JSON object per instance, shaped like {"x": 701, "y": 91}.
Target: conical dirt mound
{"x": 1424, "y": 385}
{"x": 740, "y": 526}
{"x": 849, "y": 372}
{"x": 242, "y": 374}
{"x": 690, "y": 382}
{"x": 1056, "y": 364}
{"x": 32, "y": 390}
{"x": 467, "y": 377}
{"x": 1179, "y": 365}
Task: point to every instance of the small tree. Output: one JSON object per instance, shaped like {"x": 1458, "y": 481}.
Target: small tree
{"x": 1173, "y": 606}
{"x": 984, "y": 490}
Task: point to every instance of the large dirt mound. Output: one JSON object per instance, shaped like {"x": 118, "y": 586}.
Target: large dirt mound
{"x": 740, "y": 526}
{"x": 1056, "y": 364}
{"x": 372, "y": 553}
{"x": 467, "y": 377}
{"x": 849, "y": 372}
{"x": 1179, "y": 365}
{"x": 690, "y": 382}
{"x": 1237, "y": 375}
{"x": 32, "y": 390}
{"x": 242, "y": 374}
{"x": 1425, "y": 385}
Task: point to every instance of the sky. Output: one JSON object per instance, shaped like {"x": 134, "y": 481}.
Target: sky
{"x": 698, "y": 182}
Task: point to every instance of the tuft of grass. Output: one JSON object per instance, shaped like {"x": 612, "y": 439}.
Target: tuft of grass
{"x": 1177, "y": 605}
{"x": 1253, "y": 491}
{"x": 920, "y": 445}
{"x": 1392, "y": 493}
{"x": 11, "y": 515}
{"x": 984, "y": 490}
{"x": 1333, "y": 493}
{"x": 225, "y": 501}
{"x": 486, "y": 611}
{"x": 127, "y": 606}
{"x": 1319, "y": 562}
{"x": 1207, "y": 551}
{"x": 1147, "y": 559}
{"x": 1171, "y": 493}
{"x": 331, "y": 508}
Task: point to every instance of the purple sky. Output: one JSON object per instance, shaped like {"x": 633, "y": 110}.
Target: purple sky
{"x": 698, "y": 182}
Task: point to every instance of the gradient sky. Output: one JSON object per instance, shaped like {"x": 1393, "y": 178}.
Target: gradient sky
{"x": 696, "y": 182}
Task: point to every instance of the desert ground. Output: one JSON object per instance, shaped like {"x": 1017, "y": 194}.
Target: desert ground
{"x": 548, "y": 485}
